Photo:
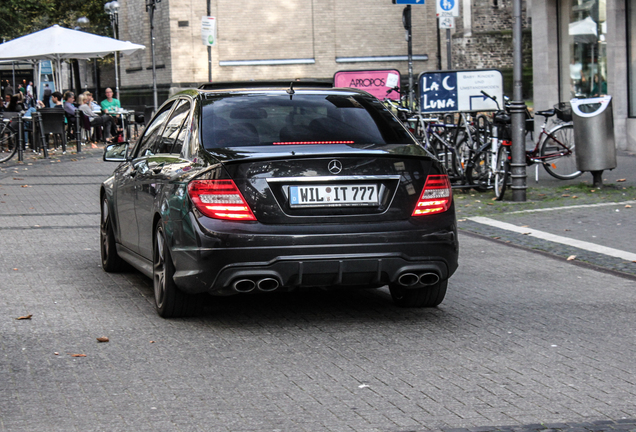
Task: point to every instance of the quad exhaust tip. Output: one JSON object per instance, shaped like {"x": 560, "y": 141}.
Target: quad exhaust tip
{"x": 267, "y": 284}
{"x": 408, "y": 279}
{"x": 244, "y": 285}
{"x": 429, "y": 278}
{"x": 248, "y": 285}
{"x": 411, "y": 279}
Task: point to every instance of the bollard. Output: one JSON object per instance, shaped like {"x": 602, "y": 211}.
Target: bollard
{"x": 43, "y": 143}
{"x": 20, "y": 139}
{"x": 78, "y": 131}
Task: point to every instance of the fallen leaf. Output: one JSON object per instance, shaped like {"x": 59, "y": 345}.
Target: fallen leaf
{"x": 17, "y": 178}
{"x": 571, "y": 258}
{"x": 628, "y": 206}
{"x": 496, "y": 238}
{"x": 621, "y": 180}
{"x": 493, "y": 199}
{"x": 525, "y": 226}
{"x": 102, "y": 339}
{"x": 15, "y": 269}
{"x": 78, "y": 355}
{"x": 461, "y": 220}
{"x": 574, "y": 196}
{"x": 477, "y": 201}
{"x": 25, "y": 186}
{"x": 152, "y": 341}
{"x": 592, "y": 190}
{"x": 56, "y": 353}
{"x": 25, "y": 317}
{"x": 565, "y": 195}
{"x": 490, "y": 203}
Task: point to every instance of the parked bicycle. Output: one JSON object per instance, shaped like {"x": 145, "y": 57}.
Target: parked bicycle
{"x": 554, "y": 149}
{"x": 8, "y": 140}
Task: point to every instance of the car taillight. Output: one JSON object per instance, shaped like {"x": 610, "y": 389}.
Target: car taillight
{"x": 436, "y": 197}
{"x": 219, "y": 199}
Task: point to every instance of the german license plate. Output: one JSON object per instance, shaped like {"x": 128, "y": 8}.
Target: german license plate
{"x": 333, "y": 195}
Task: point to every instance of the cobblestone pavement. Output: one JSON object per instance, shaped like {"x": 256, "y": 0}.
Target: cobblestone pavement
{"x": 545, "y": 345}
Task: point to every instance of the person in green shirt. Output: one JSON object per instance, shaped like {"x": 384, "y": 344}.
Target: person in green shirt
{"x": 110, "y": 105}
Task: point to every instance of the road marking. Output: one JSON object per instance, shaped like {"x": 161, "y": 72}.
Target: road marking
{"x": 573, "y": 207}
{"x": 592, "y": 247}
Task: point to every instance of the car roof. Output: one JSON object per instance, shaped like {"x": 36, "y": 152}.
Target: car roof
{"x": 282, "y": 90}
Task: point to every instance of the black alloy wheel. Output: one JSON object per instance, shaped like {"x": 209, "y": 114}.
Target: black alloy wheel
{"x": 111, "y": 261}
{"x": 169, "y": 300}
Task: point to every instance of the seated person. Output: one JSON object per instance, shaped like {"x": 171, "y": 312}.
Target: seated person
{"x": 111, "y": 105}
{"x": 96, "y": 120}
{"x": 90, "y": 101}
{"x": 69, "y": 108}
{"x": 16, "y": 104}
{"x": 56, "y": 100}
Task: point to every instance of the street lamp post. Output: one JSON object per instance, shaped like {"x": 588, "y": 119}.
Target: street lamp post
{"x": 112, "y": 9}
{"x": 151, "y": 5}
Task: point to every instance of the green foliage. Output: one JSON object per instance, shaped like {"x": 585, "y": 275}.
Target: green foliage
{"x": 21, "y": 17}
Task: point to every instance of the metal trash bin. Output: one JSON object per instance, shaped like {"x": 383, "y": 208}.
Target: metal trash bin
{"x": 594, "y": 134}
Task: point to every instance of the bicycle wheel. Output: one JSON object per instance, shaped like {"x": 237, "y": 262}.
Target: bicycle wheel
{"x": 502, "y": 172}
{"x": 8, "y": 143}
{"x": 477, "y": 171}
{"x": 557, "y": 153}
{"x": 463, "y": 154}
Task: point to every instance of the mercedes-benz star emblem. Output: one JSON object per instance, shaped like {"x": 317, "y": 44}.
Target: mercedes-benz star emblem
{"x": 334, "y": 167}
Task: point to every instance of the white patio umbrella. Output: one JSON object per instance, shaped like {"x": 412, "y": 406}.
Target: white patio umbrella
{"x": 57, "y": 43}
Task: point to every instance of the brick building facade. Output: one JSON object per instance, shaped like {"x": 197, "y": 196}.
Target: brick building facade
{"x": 483, "y": 40}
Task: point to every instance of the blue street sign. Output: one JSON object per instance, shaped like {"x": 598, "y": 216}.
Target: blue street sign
{"x": 409, "y": 2}
{"x": 447, "y": 4}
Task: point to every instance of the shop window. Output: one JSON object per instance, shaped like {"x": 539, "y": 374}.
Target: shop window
{"x": 582, "y": 48}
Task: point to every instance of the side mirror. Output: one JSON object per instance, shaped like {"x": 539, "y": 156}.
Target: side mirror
{"x": 116, "y": 152}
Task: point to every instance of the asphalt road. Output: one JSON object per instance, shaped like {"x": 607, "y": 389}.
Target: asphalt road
{"x": 523, "y": 339}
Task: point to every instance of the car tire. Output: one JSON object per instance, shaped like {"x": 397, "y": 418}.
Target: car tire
{"x": 169, "y": 300}
{"x": 429, "y": 296}
{"x": 111, "y": 261}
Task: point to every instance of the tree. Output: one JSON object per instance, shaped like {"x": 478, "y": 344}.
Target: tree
{"x": 21, "y": 17}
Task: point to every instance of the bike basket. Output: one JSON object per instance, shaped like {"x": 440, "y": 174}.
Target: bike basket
{"x": 564, "y": 111}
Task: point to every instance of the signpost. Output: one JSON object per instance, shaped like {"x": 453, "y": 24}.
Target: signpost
{"x": 208, "y": 36}
{"x": 446, "y": 10}
{"x": 460, "y": 91}
{"x": 406, "y": 21}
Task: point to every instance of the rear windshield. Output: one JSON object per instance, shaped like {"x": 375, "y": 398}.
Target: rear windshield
{"x": 259, "y": 120}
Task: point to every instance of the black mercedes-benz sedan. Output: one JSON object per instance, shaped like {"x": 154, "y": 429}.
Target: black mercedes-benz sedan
{"x": 256, "y": 190}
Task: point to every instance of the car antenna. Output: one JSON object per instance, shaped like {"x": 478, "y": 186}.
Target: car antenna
{"x": 290, "y": 91}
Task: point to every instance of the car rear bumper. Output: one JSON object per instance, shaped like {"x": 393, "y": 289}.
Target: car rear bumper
{"x": 229, "y": 263}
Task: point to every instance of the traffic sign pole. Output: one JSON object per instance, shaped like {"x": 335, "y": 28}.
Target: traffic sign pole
{"x": 407, "y": 24}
